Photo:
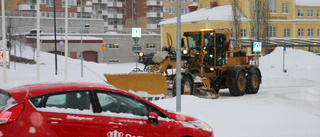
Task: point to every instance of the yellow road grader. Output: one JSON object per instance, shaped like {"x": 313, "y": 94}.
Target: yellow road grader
{"x": 208, "y": 65}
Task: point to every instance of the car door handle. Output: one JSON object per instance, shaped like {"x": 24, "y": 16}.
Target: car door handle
{"x": 112, "y": 124}
{"x": 54, "y": 120}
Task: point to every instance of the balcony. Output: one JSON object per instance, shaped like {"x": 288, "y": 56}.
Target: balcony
{"x": 153, "y": 14}
{"x": 88, "y": 9}
{"x": 104, "y": 13}
{"x": 154, "y": 3}
{"x": 100, "y": 1}
{"x": 27, "y": 7}
{"x": 115, "y": 27}
{"x": 114, "y": 4}
{"x": 152, "y": 26}
{"x": 115, "y": 15}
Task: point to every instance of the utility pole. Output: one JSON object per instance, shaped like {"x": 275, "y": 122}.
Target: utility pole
{"x": 178, "y": 57}
{"x": 38, "y": 40}
{"x": 81, "y": 53}
{"x": 55, "y": 37}
{"x": 257, "y": 30}
{"x": 66, "y": 39}
{"x": 4, "y": 42}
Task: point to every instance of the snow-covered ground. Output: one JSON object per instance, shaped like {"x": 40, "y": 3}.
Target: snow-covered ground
{"x": 287, "y": 105}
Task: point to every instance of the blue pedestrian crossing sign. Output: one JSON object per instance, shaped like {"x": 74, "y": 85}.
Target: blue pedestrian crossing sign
{"x": 257, "y": 47}
{"x": 136, "y": 32}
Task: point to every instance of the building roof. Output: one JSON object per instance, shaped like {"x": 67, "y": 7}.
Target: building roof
{"x": 308, "y": 3}
{"x": 219, "y": 13}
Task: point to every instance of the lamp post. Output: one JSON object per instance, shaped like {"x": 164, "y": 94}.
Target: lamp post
{"x": 81, "y": 54}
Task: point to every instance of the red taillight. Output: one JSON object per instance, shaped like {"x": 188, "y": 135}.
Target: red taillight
{"x": 11, "y": 114}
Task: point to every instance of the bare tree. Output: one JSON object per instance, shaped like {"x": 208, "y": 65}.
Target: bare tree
{"x": 263, "y": 21}
{"x": 236, "y": 23}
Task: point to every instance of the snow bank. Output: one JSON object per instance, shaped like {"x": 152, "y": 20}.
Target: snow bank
{"x": 298, "y": 63}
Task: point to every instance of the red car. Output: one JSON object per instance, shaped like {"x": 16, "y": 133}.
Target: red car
{"x": 89, "y": 109}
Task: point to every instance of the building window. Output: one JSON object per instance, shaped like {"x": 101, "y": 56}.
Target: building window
{"x": 253, "y": 34}
{"x": 43, "y": 1}
{"x": 135, "y": 11}
{"x": 185, "y": 1}
{"x": 150, "y": 46}
{"x": 172, "y": 10}
{"x": 171, "y": 0}
{"x": 272, "y": 6}
{"x": 123, "y": 11}
{"x": 318, "y": 13}
{"x": 49, "y": 3}
{"x": 310, "y": 32}
{"x": 184, "y": 10}
{"x": 310, "y": 12}
{"x": 243, "y": 33}
{"x": 124, "y": 22}
{"x": 114, "y": 46}
{"x": 287, "y": 32}
{"x": 318, "y": 33}
{"x": 272, "y": 31}
{"x": 135, "y": 22}
{"x": 285, "y": 8}
{"x": 300, "y": 12}
{"x": 113, "y": 60}
{"x": 300, "y": 32}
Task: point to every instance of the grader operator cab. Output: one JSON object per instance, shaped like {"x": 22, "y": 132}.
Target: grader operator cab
{"x": 208, "y": 65}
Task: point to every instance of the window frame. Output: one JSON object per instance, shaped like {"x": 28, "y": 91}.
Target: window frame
{"x": 150, "y": 46}
{"x": 300, "y": 32}
{"x": 310, "y": 32}
{"x": 310, "y": 13}
{"x": 287, "y": 32}
{"x": 114, "y": 46}
{"x": 285, "y": 8}
{"x": 272, "y": 4}
{"x": 272, "y": 31}
{"x": 243, "y": 33}
{"x": 300, "y": 12}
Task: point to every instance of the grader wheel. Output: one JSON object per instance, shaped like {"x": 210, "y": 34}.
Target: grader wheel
{"x": 237, "y": 82}
{"x": 254, "y": 80}
{"x": 187, "y": 86}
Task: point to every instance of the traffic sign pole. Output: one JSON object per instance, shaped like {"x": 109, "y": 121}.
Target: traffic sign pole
{"x": 284, "y": 50}
{"x": 136, "y": 34}
{"x": 257, "y": 46}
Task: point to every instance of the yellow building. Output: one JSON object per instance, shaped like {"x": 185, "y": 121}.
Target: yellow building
{"x": 295, "y": 21}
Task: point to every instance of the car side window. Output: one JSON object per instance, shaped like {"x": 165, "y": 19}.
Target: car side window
{"x": 118, "y": 103}
{"x": 73, "y": 100}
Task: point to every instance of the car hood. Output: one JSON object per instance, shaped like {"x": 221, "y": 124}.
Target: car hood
{"x": 179, "y": 116}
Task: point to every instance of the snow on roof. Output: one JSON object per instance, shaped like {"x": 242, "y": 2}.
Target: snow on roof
{"x": 70, "y": 38}
{"x": 219, "y": 13}
{"x": 308, "y": 3}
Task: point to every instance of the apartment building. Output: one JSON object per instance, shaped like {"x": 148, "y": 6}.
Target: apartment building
{"x": 295, "y": 21}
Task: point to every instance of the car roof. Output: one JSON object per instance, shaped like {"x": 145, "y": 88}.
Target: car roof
{"x": 31, "y": 90}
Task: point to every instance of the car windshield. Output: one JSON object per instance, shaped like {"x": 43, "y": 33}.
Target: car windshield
{"x": 5, "y": 99}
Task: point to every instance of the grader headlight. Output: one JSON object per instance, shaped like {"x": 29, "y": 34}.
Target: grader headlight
{"x": 211, "y": 69}
{"x": 185, "y": 52}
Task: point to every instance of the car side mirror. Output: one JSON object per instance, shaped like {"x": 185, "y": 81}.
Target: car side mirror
{"x": 153, "y": 116}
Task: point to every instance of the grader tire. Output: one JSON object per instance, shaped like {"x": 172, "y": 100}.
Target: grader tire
{"x": 254, "y": 80}
{"x": 187, "y": 86}
{"x": 238, "y": 83}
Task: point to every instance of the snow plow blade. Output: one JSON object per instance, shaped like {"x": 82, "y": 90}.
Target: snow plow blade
{"x": 152, "y": 83}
